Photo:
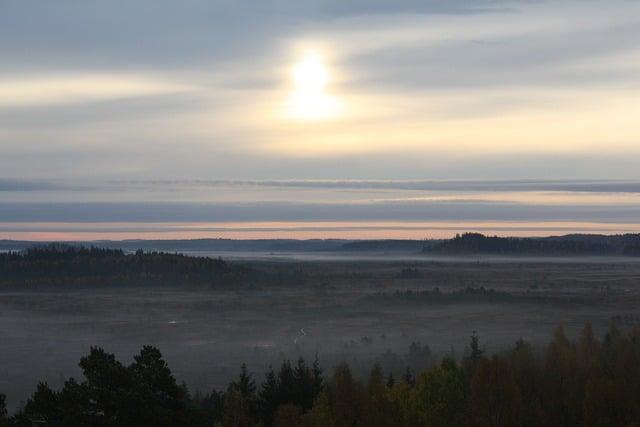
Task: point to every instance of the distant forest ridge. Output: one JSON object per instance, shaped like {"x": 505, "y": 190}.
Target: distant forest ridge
{"x": 573, "y": 244}
{"x": 61, "y": 264}
{"x": 232, "y": 245}
{"x": 461, "y": 244}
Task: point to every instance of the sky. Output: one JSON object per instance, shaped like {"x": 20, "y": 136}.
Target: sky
{"x": 259, "y": 106}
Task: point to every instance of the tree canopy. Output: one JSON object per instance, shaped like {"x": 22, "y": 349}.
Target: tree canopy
{"x": 585, "y": 382}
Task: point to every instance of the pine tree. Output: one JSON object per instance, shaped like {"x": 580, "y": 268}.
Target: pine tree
{"x": 3, "y": 411}
{"x": 495, "y": 398}
{"x": 245, "y": 383}
{"x": 287, "y": 383}
{"x": 304, "y": 386}
{"x": 390, "y": 380}
{"x": 408, "y": 377}
{"x": 268, "y": 397}
{"x": 245, "y": 386}
{"x": 237, "y": 411}
{"x": 476, "y": 352}
{"x": 318, "y": 379}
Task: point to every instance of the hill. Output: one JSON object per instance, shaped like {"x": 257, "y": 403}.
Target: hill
{"x": 569, "y": 245}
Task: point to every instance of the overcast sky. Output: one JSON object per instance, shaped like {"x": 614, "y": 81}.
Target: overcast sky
{"x": 364, "y": 118}
{"x": 153, "y": 89}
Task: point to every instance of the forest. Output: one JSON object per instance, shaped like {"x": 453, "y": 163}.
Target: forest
{"x": 66, "y": 265}
{"x": 587, "y": 381}
{"x": 575, "y": 245}
{"x": 470, "y": 243}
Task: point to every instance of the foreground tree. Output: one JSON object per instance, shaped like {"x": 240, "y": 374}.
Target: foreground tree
{"x": 570, "y": 383}
{"x": 112, "y": 394}
{"x": 561, "y": 387}
{"x": 441, "y": 395}
{"x": 527, "y": 375}
{"x": 4, "y": 421}
{"x": 268, "y": 398}
{"x": 377, "y": 410}
{"x": 211, "y": 406}
{"x": 289, "y": 415}
{"x": 495, "y": 398}
{"x": 321, "y": 414}
{"x": 613, "y": 387}
{"x": 345, "y": 395}
{"x": 404, "y": 404}
{"x": 237, "y": 410}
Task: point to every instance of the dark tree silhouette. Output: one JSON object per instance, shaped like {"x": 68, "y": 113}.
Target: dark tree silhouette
{"x": 586, "y": 382}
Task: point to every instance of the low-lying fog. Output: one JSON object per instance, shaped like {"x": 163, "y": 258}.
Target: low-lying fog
{"x": 206, "y": 334}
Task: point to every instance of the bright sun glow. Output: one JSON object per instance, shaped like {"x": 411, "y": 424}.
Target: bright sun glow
{"x": 309, "y": 99}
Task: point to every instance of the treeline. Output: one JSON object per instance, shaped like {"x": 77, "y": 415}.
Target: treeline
{"x": 475, "y": 243}
{"x": 63, "y": 265}
{"x": 588, "y": 382}
{"x": 388, "y": 245}
{"x": 145, "y": 393}
{"x": 436, "y": 296}
{"x": 471, "y": 295}
{"x": 248, "y": 245}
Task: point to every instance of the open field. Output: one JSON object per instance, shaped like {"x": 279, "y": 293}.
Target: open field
{"x": 341, "y": 310}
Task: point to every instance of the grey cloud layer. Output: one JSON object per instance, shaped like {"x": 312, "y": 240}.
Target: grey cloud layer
{"x": 240, "y": 212}
{"x": 237, "y": 45}
{"x": 168, "y": 156}
{"x": 460, "y": 185}
{"x": 591, "y": 186}
{"x": 24, "y": 185}
{"x": 151, "y": 32}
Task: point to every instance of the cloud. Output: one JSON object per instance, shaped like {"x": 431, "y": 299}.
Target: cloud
{"x": 523, "y": 185}
{"x": 160, "y": 33}
{"x": 575, "y": 57}
{"x": 154, "y": 212}
{"x": 82, "y": 88}
{"x": 92, "y": 113}
{"x": 443, "y": 89}
{"x": 24, "y": 185}
{"x": 371, "y": 190}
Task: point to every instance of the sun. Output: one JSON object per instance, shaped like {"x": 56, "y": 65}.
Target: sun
{"x": 309, "y": 99}
{"x": 310, "y": 75}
